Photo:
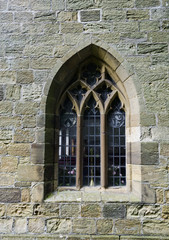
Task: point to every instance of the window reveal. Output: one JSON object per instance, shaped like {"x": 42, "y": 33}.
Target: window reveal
{"x": 92, "y": 132}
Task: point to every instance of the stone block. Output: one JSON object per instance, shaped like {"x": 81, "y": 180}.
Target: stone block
{"x": 148, "y": 48}
{"x": 37, "y": 193}
{"x": 7, "y": 179}
{"x": 148, "y": 194}
{"x": 67, "y": 16}
{"x": 67, "y": 196}
{"x": 88, "y": 197}
{"x": 3, "y": 5}
{"x": 36, "y": 225}
{"x": 148, "y": 119}
{"x": 149, "y": 3}
{"x": 19, "y": 63}
{"x": 13, "y": 92}
{"x": 19, "y": 210}
{"x": 70, "y": 210}
{"x": 18, "y": 5}
{"x": 76, "y": 5}
{"x": 55, "y": 225}
{"x": 147, "y": 26}
{"x": 167, "y": 196}
{"x": 23, "y": 17}
{"x": 126, "y": 27}
{"x": 159, "y": 195}
{"x": 6, "y": 225}
{"x": 32, "y": 92}
{"x": 8, "y": 77}
{"x": 137, "y": 14}
{"x": 20, "y": 225}
{"x": 165, "y": 25}
{"x": 36, "y": 51}
{"x": 40, "y": 5}
{"x": 26, "y": 108}
{"x": 47, "y": 16}
{"x": 143, "y": 211}
{"x": 163, "y": 119}
{"x": 91, "y": 210}
{"x": 43, "y": 62}
{"x": 160, "y": 134}
{"x": 10, "y": 195}
{"x": 165, "y": 212}
{"x": 30, "y": 173}
{"x": 6, "y": 135}
{"x": 24, "y": 136}
{"x": 37, "y": 153}
{"x": 6, "y": 17}
{"x": 156, "y": 227}
{"x": 1, "y": 93}
{"x": 25, "y": 195}
{"x": 58, "y": 5}
{"x": 19, "y": 149}
{"x": 159, "y": 13}
{"x": 83, "y": 226}
{"x": 149, "y": 153}
{"x": 114, "y": 14}
{"x": 127, "y": 226}
{"x": 89, "y": 15}
{"x": 104, "y": 226}
{"x": 2, "y": 210}
{"x": 71, "y": 27}
{"x": 29, "y": 121}
{"x": 9, "y": 164}
{"x": 112, "y": 210}
{"x": 40, "y": 76}
{"x": 158, "y": 37}
{"x": 25, "y": 76}
{"x": 46, "y": 209}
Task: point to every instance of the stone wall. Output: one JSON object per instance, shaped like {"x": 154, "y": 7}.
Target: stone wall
{"x": 37, "y": 39}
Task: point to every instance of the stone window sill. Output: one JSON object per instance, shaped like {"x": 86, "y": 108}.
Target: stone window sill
{"x": 93, "y": 194}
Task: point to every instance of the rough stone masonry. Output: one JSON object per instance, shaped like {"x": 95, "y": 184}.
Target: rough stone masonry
{"x": 37, "y": 39}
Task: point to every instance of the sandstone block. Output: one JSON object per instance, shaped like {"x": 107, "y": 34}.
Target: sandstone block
{"x": 158, "y": 37}
{"x": 100, "y": 27}
{"x": 91, "y": 210}
{"x": 23, "y": 17}
{"x": 2, "y": 210}
{"x": 24, "y": 136}
{"x": 19, "y": 63}
{"x": 163, "y": 119}
{"x": 70, "y": 210}
{"x": 149, "y": 153}
{"x": 83, "y": 226}
{"x": 19, "y": 149}
{"x": 46, "y": 209}
{"x": 126, "y": 27}
{"x": 165, "y": 212}
{"x": 32, "y": 92}
{"x": 25, "y": 76}
{"x": 167, "y": 196}
{"x": 10, "y": 195}
{"x": 66, "y": 16}
{"x": 1, "y": 93}
{"x": 40, "y": 76}
{"x": 25, "y": 195}
{"x": 26, "y": 108}
{"x": 6, "y": 225}
{"x": 19, "y": 210}
{"x": 71, "y": 27}
{"x": 13, "y": 92}
{"x": 39, "y": 5}
{"x": 36, "y": 225}
{"x": 5, "y": 135}
{"x": 149, "y": 26}
{"x": 149, "y": 3}
{"x": 127, "y": 227}
{"x": 36, "y": 51}
{"x": 3, "y": 5}
{"x": 37, "y": 153}
{"x": 140, "y": 211}
{"x": 42, "y": 63}
{"x": 6, "y": 17}
{"x": 76, "y": 5}
{"x": 58, "y": 5}
{"x": 148, "y": 119}
{"x": 29, "y": 121}
{"x": 145, "y": 48}
{"x": 37, "y": 193}
{"x": 156, "y": 227}
{"x": 159, "y": 195}
{"x": 58, "y": 225}
{"x": 9, "y": 164}
{"x": 90, "y": 15}
{"x": 8, "y": 77}
{"x": 31, "y": 173}
{"x": 7, "y": 179}
{"x": 18, "y": 5}
{"x": 112, "y": 210}
{"x": 159, "y": 13}
{"x": 114, "y": 14}
{"x": 160, "y": 134}
{"x": 137, "y": 14}
{"x": 104, "y": 226}
{"x": 20, "y": 225}
{"x": 46, "y": 16}
{"x": 165, "y": 25}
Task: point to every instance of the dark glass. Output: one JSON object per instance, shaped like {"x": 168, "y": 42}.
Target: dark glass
{"x": 91, "y": 74}
{"x": 116, "y": 145}
{"x": 67, "y": 145}
{"x": 91, "y": 133}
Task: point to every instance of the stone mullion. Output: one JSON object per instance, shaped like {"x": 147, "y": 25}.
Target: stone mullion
{"x": 103, "y": 152}
{"x": 79, "y": 153}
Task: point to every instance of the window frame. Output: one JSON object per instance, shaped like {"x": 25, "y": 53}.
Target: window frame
{"x": 103, "y": 126}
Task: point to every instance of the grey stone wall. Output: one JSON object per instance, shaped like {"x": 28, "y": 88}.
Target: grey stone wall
{"x": 36, "y": 39}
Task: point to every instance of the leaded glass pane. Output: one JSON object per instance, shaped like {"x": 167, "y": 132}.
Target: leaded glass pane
{"x": 67, "y": 145}
{"x": 116, "y": 145}
{"x": 91, "y": 160}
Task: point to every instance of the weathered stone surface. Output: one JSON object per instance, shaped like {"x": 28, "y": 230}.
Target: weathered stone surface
{"x": 127, "y": 227}
{"x": 149, "y": 3}
{"x": 90, "y": 15}
{"x": 83, "y": 226}
{"x": 148, "y": 119}
{"x": 156, "y": 227}
{"x": 104, "y": 226}
{"x": 25, "y": 76}
{"x": 68, "y": 27}
{"x": 40, "y": 5}
{"x": 20, "y": 225}
{"x": 137, "y": 14}
{"x": 19, "y": 210}
{"x": 30, "y": 173}
{"x": 55, "y": 225}
{"x": 37, "y": 192}
{"x": 6, "y": 17}
{"x": 158, "y": 37}
{"x": 32, "y": 92}
{"x": 138, "y": 211}
{"x": 159, "y": 195}
{"x": 70, "y": 210}
{"x": 36, "y": 225}
{"x": 7, "y": 179}
{"x": 24, "y": 136}
{"x": 8, "y": 77}
{"x": 13, "y": 92}
{"x": 43, "y": 62}
{"x": 19, "y": 149}
{"x": 149, "y": 153}
{"x": 165, "y": 212}
{"x": 145, "y": 48}
{"x": 91, "y": 210}
{"x": 10, "y": 195}
{"x": 29, "y": 121}
{"x": 23, "y": 16}
{"x": 5, "y": 135}
{"x": 112, "y": 210}
{"x": 9, "y": 164}
{"x": 58, "y": 5}
{"x": 114, "y": 14}
{"x": 3, "y": 5}
{"x": 25, "y": 195}
{"x": 165, "y": 25}
{"x": 149, "y": 26}
{"x": 67, "y": 16}
{"x": 18, "y": 5}
{"x": 37, "y": 153}
{"x": 2, "y": 210}
{"x": 46, "y": 209}
{"x": 6, "y": 225}
{"x": 159, "y": 13}
{"x": 26, "y": 108}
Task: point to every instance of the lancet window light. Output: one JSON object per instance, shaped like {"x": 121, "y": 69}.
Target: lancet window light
{"x": 91, "y": 131}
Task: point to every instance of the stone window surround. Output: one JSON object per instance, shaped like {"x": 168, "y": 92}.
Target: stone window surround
{"x": 126, "y": 79}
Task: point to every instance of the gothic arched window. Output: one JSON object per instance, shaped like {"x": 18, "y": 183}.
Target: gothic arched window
{"x": 91, "y": 131}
